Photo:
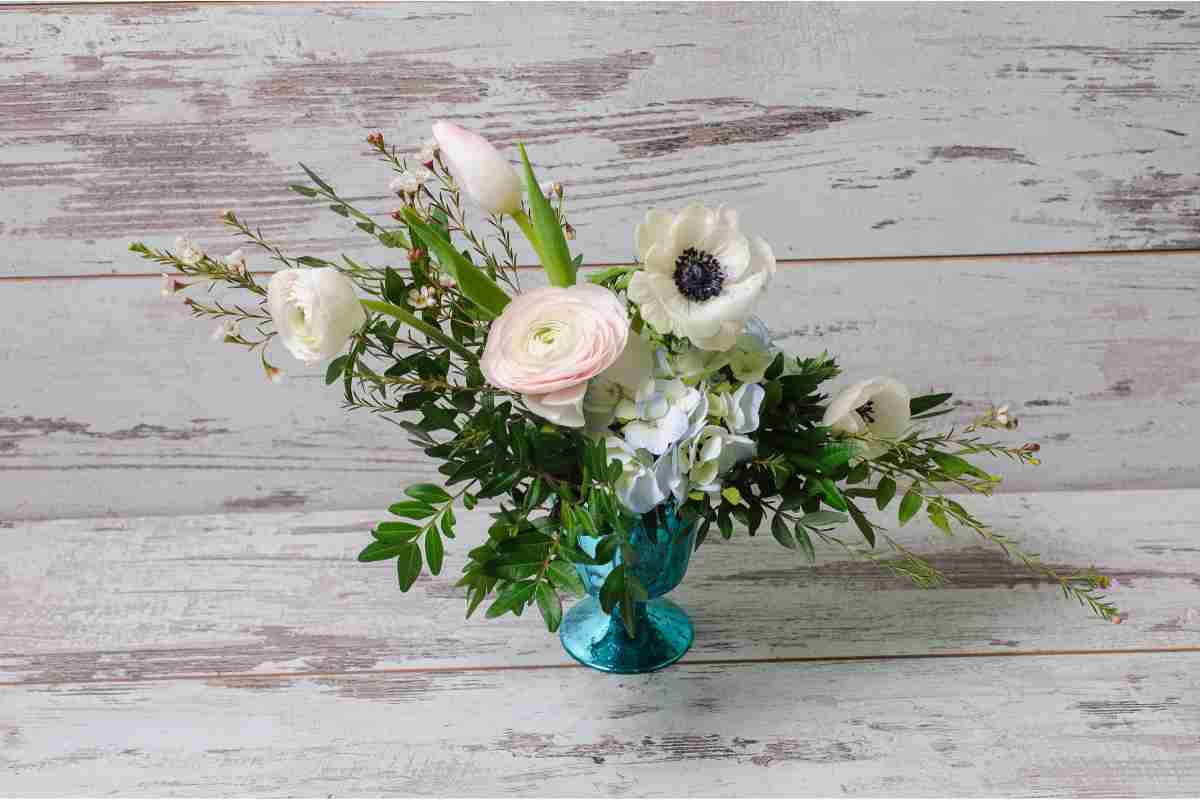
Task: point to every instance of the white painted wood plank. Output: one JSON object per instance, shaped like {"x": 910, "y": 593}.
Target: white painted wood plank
{"x": 86, "y": 600}
{"x": 848, "y": 129}
{"x": 1100, "y": 726}
{"x": 116, "y": 402}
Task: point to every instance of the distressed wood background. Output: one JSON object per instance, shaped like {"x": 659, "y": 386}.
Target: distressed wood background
{"x": 999, "y": 199}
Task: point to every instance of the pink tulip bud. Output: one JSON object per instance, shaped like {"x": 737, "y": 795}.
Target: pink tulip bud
{"x": 479, "y": 169}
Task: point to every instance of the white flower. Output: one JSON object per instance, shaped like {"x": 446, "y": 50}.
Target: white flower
{"x": 409, "y": 181}
{"x": 171, "y": 285}
{"x": 479, "y": 169}
{"x": 738, "y": 409}
{"x": 671, "y": 471}
{"x": 878, "y": 407}
{"x": 550, "y": 342}
{"x": 187, "y": 251}
{"x": 630, "y": 377}
{"x": 236, "y": 261}
{"x": 425, "y": 297}
{"x": 714, "y": 452}
{"x": 752, "y": 352}
{"x": 671, "y": 413}
{"x": 428, "y": 153}
{"x": 551, "y": 188}
{"x": 225, "y": 331}
{"x": 637, "y": 488}
{"x": 315, "y": 311}
{"x": 702, "y": 276}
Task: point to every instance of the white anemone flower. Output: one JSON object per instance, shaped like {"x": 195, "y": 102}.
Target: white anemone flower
{"x": 702, "y": 276}
{"x": 877, "y": 408}
{"x": 714, "y": 452}
{"x": 637, "y": 488}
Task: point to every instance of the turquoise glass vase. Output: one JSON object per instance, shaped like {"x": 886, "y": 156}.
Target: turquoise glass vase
{"x": 663, "y": 632}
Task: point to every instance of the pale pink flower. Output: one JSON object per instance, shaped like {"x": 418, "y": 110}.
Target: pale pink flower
{"x": 479, "y": 169}
{"x": 550, "y": 342}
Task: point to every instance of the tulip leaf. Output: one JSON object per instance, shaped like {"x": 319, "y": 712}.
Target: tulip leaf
{"x": 476, "y": 285}
{"x": 551, "y": 242}
{"x": 413, "y": 321}
{"x": 926, "y": 402}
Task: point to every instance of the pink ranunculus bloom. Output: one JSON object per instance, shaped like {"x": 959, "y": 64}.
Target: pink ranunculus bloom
{"x": 549, "y": 342}
{"x": 485, "y": 175}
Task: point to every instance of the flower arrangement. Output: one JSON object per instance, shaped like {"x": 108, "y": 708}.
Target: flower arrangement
{"x": 587, "y": 405}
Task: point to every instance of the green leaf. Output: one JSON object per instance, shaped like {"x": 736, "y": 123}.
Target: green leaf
{"x": 434, "y": 551}
{"x": 919, "y": 405}
{"x": 910, "y": 505}
{"x": 823, "y": 519}
{"x": 473, "y": 282}
{"x": 427, "y": 493}
{"x": 832, "y": 494}
{"x": 448, "y": 523}
{"x": 779, "y": 529}
{"x": 551, "y": 240}
{"x": 395, "y": 532}
{"x": 864, "y": 525}
{"x": 937, "y": 515}
{"x": 315, "y": 178}
{"x": 951, "y": 465}
{"x": 511, "y": 599}
{"x": 313, "y": 261}
{"x": 334, "y": 370}
{"x": 566, "y": 577}
{"x": 606, "y": 548}
{"x": 835, "y": 455}
{"x": 859, "y": 473}
{"x": 408, "y": 566}
{"x": 805, "y": 542}
{"x": 549, "y": 605}
{"x": 307, "y": 191}
{"x": 884, "y": 492}
{"x": 381, "y": 551}
{"x": 432, "y": 331}
{"x": 613, "y": 589}
{"x": 413, "y": 509}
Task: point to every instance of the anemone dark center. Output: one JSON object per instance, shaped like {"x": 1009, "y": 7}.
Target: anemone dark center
{"x": 867, "y": 412}
{"x": 698, "y": 275}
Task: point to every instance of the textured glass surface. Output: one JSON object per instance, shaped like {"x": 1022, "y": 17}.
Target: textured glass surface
{"x": 664, "y": 631}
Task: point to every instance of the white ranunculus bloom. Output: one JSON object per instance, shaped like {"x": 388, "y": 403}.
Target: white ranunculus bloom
{"x": 714, "y": 452}
{"x": 549, "y": 343}
{"x": 637, "y": 488}
{"x": 878, "y": 407}
{"x": 315, "y": 311}
{"x": 479, "y": 169}
{"x": 702, "y": 276}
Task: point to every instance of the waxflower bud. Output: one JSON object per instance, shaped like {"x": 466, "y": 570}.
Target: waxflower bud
{"x": 375, "y": 139}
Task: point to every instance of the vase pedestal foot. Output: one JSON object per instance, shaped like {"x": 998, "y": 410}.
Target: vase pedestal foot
{"x": 599, "y": 640}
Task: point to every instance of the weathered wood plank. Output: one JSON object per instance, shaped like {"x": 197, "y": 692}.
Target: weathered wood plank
{"x": 85, "y": 600}
{"x": 1098, "y": 356}
{"x": 860, "y": 129}
{"x": 1102, "y": 726}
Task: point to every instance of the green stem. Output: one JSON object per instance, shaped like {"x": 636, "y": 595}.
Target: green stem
{"x": 424, "y": 327}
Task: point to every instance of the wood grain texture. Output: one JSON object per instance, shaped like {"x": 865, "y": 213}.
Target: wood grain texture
{"x": 85, "y": 600}
{"x": 858, "y": 129}
{"x": 1099, "y": 726}
{"x": 1099, "y": 357}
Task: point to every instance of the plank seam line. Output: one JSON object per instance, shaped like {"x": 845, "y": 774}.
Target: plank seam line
{"x": 785, "y": 262}
{"x": 699, "y": 662}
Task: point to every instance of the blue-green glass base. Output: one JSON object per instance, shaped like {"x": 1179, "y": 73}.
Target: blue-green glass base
{"x": 599, "y": 640}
